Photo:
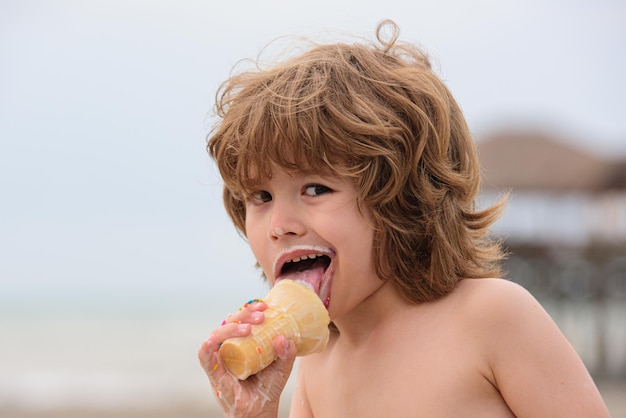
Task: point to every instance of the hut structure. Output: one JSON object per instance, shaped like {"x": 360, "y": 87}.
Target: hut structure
{"x": 565, "y": 230}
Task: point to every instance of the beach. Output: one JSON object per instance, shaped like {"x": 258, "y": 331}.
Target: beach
{"x": 144, "y": 364}
{"x": 613, "y": 392}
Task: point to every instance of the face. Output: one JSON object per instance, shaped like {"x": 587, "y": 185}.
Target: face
{"x": 309, "y": 228}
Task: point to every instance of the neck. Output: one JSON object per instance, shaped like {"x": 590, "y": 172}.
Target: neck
{"x": 382, "y": 310}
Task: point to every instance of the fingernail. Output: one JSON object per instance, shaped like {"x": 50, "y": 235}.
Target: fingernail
{"x": 209, "y": 341}
{"x": 257, "y": 316}
{"x": 284, "y": 347}
{"x": 243, "y": 327}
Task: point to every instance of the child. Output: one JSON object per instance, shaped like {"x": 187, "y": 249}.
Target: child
{"x": 360, "y": 154}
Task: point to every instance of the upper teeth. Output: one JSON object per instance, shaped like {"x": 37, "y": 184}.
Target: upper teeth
{"x": 304, "y": 257}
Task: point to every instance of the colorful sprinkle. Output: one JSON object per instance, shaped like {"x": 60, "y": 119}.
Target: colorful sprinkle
{"x": 218, "y": 394}
{"x": 215, "y": 367}
{"x": 223, "y": 322}
{"x": 258, "y": 350}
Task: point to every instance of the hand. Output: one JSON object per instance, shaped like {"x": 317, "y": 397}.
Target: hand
{"x": 258, "y": 395}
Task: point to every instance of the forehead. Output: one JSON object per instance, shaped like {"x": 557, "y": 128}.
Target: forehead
{"x": 264, "y": 169}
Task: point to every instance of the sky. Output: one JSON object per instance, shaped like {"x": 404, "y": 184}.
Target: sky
{"x": 107, "y": 196}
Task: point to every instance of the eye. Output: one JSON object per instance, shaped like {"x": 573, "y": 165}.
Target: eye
{"x": 316, "y": 190}
{"x": 260, "y": 197}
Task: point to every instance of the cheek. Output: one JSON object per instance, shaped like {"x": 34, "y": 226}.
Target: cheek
{"x": 363, "y": 239}
{"x": 357, "y": 234}
{"x": 252, "y": 218}
{"x": 254, "y": 236}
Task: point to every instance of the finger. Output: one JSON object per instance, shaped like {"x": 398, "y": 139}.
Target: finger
{"x": 214, "y": 341}
{"x": 211, "y": 361}
{"x": 224, "y": 385}
{"x": 245, "y": 316}
{"x": 231, "y": 330}
{"x": 206, "y": 352}
{"x": 251, "y": 312}
{"x": 255, "y": 304}
{"x": 218, "y": 372}
{"x": 285, "y": 349}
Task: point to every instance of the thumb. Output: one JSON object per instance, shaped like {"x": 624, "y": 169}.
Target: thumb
{"x": 285, "y": 349}
{"x": 277, "y": 374}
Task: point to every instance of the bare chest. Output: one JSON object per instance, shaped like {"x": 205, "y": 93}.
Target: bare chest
{"x": 422, "y": 378}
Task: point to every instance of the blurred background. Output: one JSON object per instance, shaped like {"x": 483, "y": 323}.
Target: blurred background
{"x": 116, "y": 256}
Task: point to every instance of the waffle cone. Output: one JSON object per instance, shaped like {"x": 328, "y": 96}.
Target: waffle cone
{"x": 293, "y": 310}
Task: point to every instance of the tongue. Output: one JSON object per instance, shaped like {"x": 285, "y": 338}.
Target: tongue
{"x": 312, "y": 277}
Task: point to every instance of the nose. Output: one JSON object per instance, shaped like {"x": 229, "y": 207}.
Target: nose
{"x": 285, "y": 220}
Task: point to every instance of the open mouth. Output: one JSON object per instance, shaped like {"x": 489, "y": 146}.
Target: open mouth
{"x": 310, "y": 267}
{"x": 304, "y": 263}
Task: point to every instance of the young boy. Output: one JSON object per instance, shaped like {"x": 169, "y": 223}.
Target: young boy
{"x": 358, "y": 155}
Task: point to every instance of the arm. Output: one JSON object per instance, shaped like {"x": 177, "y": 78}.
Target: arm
{"x": 533, "y": 365}
{"x": 257, "y": 396}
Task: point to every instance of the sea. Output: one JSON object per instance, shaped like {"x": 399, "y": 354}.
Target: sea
{"x": 92, "y": 354}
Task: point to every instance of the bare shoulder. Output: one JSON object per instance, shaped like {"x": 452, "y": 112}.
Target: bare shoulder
{"x": 496, "y": 299}
{"x": 528, "y": 356}
{"x": 490, "y": 288}
{"x": 503, "y": 313}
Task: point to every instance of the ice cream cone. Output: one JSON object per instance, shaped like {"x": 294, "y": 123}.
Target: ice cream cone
{"x": 295, "y": 311}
